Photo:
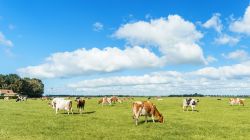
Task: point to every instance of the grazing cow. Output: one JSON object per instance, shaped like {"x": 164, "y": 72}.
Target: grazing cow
{"x": 236, "y": 101}
{"x": 80, "y": 104}
{"x": 105, "y": 100}
{"x": 147, "y": 109}
{"x": 115, "y": 99}
{"x": 63, "y": 105}
{"x": 189, "y": 102}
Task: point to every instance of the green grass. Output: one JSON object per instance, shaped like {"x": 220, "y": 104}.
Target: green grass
{"x": 34, "y": 119}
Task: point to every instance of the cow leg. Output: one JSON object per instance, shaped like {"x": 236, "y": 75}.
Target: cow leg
{"x": 72, "y": 111}
{"x": 57, "y": 110}
{"x": 185, "y": 108}
{"x": 137, "y": 115}
{"x": 153, "y": 118}
{"x": 80, "y": 110}
{"x": 146, "y": 118}
{"x": 136, "y": 121}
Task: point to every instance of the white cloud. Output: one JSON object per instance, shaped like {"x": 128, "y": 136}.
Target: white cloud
{"x": 4, "y": 41}
{"x": 232, "y": 79}
{"x": 226, "y": 72}
{"x": 225, "y": 39}
{"x": 175, "y": 37}
{"x": 211, "y": 59}
{"x": 242, "y": 25}
{"x": 97, "y": 26}
{"x": 154, "y": 78}
{"x": 237, "y": 55}
{"x": 214, "y": 22}
{"x": 82, "y": 61}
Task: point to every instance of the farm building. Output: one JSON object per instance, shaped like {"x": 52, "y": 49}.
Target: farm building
{"x": 7, "y": 92}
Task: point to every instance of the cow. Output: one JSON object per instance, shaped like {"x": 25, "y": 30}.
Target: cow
{"x": 147, "y": 109}
{"x": 235, "y": 101}
{"x": 6, "y": 98}
{"x": 21, "y": 98}
{"x": 63, "y": 105}
{"x": 105, "y": 100}
{"x": 53, "y": 102}
{"x": 115, "y": 99}
{"x": 80, "y": 103}
{"x": 189, "y": 102}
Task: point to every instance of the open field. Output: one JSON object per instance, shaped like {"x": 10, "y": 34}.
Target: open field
{"x": 34, "y": 119}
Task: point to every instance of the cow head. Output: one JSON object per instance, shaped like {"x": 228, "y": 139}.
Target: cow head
{"x": 161, "y": 119}
{"x": 100, "y": 101}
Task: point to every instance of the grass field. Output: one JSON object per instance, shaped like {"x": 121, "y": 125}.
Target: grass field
{"x": 35, "y": 120}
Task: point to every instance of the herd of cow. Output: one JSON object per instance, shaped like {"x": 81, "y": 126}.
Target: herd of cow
{"x": 139, "y": 108}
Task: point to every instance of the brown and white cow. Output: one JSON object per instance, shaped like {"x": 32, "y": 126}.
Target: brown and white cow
{"x": 80, "y": 103}
{"x": 236, "y": 101}
{"x": 147, "y": 109}
{"x": 105, "y": 100}
{"x": 109, "y": 100}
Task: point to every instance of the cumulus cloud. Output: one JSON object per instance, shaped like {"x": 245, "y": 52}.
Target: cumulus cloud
{"x": 242, "y": 25}
{"x": 225, "y": 39}
{"x": 241, "y": 55}
{"x": 82, "y": 61}
{"x": 4, "y": 41}
{"x": 97, "y": 26}
{"x": 176, "y": 38}
{"x": 214, "y": 22}
{"x": 226, "y": 72}
{"x": 229, "y": 79}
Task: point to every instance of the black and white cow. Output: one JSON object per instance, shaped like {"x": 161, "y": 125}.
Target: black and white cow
{"x": 189, "y": 102}
{"x": 21, "y": 98}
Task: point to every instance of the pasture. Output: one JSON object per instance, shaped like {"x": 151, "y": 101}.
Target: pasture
{"x": 34, "y": 119}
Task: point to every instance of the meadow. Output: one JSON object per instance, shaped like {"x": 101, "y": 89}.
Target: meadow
{"x": 35, "y": 120}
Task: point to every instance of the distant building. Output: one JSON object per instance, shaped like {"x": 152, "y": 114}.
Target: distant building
{"x": 7, "y": 92}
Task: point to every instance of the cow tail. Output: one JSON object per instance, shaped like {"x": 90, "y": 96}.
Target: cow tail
{"x": 83, "y": 104}
{"x": 70, "y": 105}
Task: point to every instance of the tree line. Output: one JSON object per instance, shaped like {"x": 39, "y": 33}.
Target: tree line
{"x": 25, "y": 86}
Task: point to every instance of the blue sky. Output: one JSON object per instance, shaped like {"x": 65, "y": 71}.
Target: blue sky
{"x": 128, "y": 47}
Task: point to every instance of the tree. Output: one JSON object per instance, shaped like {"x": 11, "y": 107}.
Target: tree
{"x": 25, "y": 86}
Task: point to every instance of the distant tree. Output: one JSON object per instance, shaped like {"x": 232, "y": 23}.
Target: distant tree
{"x": 26, "y": 86}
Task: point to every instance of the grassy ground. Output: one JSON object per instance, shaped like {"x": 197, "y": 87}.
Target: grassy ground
{"x": 34, "y": 119}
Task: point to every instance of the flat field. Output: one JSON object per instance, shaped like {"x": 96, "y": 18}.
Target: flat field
{"x": 35, "y": 120}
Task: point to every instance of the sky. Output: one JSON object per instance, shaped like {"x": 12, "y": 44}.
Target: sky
{"x": 128, "y": 47}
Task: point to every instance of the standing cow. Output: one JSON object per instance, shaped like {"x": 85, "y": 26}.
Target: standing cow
{"x": 80, "y": 103}
{"x": 189, "y": 102}
{"x": 53, "y": 102}
{"x": 64, "y": 105}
